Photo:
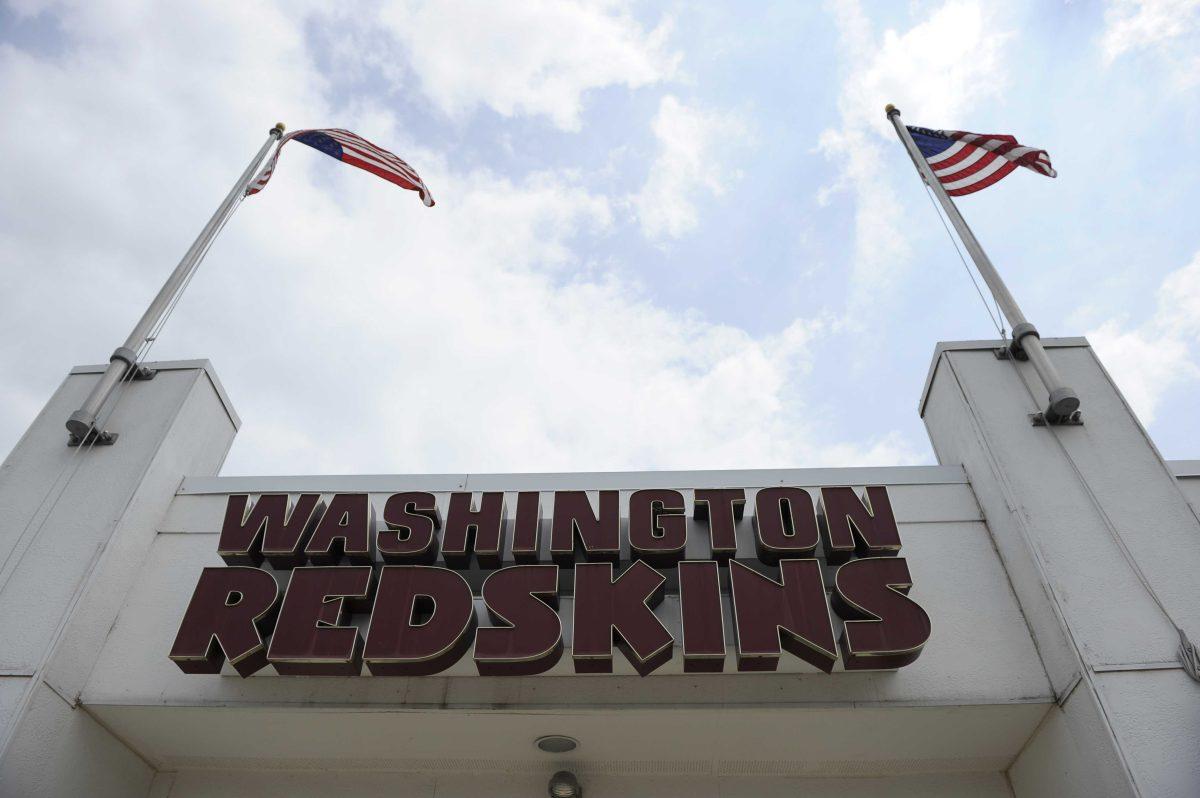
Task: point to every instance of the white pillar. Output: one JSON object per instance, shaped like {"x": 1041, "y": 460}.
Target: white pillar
{"x": 77, "y": 526}
{"x": 1059, "y": 502}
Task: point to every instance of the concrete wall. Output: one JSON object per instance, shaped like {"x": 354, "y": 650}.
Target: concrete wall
{"x": 247, "y": 784}
{"x": 1092, "y": 526}
{"x": 78, "y": 524}
{"x": 968, "y": 704}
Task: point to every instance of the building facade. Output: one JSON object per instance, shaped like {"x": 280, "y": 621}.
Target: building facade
{"x": 1005, "y": 623}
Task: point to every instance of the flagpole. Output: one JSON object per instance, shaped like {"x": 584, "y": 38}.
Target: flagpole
{"x": 1063, "y": 401}
{"x": 82, "y": 422}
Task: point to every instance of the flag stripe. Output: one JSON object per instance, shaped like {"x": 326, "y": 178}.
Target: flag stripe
{"x": 367, "y": 157}
{"x": 357, "y": 142}
{"x": 974, "y": 174}
{"x": 969, "y": 156}
{"x": 975, "y": 168}
{"x": 966, "y": 152}
{"x": 367, "y": 151}
{"x": 380, "y": 171}
{"x": 1006, "y": 168}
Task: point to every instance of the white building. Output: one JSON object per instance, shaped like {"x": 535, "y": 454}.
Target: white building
{"x": 1055, "y": 565}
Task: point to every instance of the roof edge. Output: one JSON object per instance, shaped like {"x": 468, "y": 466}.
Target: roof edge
{"x": 202, "y": 364}
{"x": 987, "y": 345}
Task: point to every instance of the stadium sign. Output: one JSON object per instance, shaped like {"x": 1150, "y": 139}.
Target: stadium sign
{"x": 409, "y": 581}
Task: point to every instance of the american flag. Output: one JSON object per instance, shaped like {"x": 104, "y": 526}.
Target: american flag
{"x": 967, "y": 162}
{"x": 353, "y": 149}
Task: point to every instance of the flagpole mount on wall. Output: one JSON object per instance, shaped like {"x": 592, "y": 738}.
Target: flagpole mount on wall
{"x": 1062, "y": 405}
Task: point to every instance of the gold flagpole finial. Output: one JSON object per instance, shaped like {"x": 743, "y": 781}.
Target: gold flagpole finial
{"x": 279, "y": 127}
{"x": 890, "y": 109}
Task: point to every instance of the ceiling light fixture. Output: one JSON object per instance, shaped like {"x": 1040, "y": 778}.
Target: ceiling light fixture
{"x": 556, "y": 743}
{"x": 563, "y": 784}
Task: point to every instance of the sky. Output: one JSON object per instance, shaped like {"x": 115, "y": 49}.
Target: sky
{"x": 667, "y": 235}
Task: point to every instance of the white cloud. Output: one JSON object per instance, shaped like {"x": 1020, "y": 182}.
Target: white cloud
{"x": 1168, "y": 30}
{"x": 1149, "y": 360}
{"x": 536, "y": 57}
{"x": 693, "y": 148}
{"x": 470, "y": 351}
{"x": 355, "y": 329}
{"x": 1138, "y": 24}
{"x": 934, "y": 72}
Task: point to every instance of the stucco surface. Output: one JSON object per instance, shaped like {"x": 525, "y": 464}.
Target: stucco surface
{"x": 968, "y": 703}
{"x": 239, "y": 784}
{"x": 78, "y": 524}
{"x": 1157, "y": 716}
{"x": 1102, "y": 546}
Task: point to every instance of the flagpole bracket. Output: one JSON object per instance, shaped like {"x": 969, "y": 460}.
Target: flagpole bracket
{"x": 1043, "y": 420}
{"x": 1019, "y": 332}
{"x": 93, "y": 437}
{"x": 134, "y": 371}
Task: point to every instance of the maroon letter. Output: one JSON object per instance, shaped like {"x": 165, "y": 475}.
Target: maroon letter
{"x": 657, "y": 527}
{"x": 624, "y": 609}
{"x": 723, "y": 508}
{"x": 531, "y": 639}
{"x": 863, "y": 527}
{"x": 526, "y": 526}
{"x": 703, "y": 622}
{"x": 230, "y": 610}
{"x": 793, "y": 613}
{"x": 488, "y": 524}
{"x": 785, "y": 522}
{"x": 412, "y": 521}
{"x": 309, "y": 638}
{"x": 601, "y": 536}
{"x": 273, "y": 527}
{"x": 421, "y": 623}
{"x": 346, "y": 530}
{"x": 885, "y": 629}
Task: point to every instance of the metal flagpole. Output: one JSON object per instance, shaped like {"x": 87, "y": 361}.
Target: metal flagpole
{"x": 1063, "y": 400}
{"x": 82, "y": 422}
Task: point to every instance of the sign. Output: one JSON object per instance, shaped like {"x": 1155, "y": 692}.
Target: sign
{"x": 413, "y": 577}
